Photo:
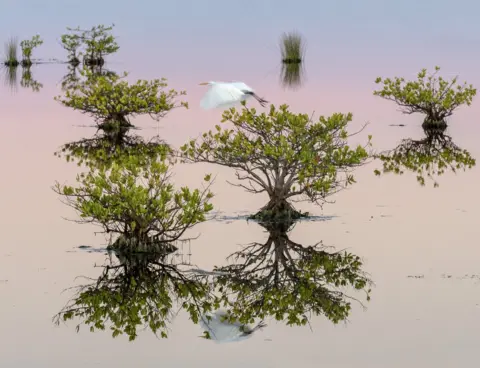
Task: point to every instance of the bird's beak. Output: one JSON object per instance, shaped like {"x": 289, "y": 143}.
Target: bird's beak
{"x": 203, "y": 84}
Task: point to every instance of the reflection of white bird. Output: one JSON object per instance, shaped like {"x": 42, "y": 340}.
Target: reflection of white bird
{"x": 226, "y": 95}
{"x": 221, "y": 330}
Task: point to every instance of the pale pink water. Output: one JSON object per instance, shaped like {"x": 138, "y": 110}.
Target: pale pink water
{"x": 396, "y": 226}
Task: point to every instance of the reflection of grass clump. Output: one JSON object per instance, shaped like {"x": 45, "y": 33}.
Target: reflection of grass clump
{"x": 11, "y": 52}
{"x": 10, "y": 77}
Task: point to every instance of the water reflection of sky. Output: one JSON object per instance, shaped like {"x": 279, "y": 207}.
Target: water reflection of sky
{"x": 398, "y": 227}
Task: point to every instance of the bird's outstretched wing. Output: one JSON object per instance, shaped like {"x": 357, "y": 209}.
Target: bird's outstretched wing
{"x": 221, "y": 95}
{"x": 241, "y": 86}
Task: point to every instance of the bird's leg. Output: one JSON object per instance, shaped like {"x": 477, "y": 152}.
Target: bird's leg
{"x": 260, "y": 100}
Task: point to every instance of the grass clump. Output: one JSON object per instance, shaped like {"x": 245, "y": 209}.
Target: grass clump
{"x": 11, "y": 52}
{"x": 292, "y": 48}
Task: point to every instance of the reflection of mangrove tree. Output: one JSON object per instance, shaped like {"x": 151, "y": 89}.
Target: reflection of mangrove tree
{"x": 283, "y": 154}
{"x": 139, "y": 290}
{"x": 132, "y": 197}
{"x": 28, "y": 82}
{"x": 428, "y": 157}
{"x": 288, "y": 281}
{"x": 73, "y": 78}
{"x": 110, "y": 98}
{"x": 104, "y": 147}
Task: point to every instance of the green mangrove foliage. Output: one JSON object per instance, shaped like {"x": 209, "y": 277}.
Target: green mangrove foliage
{"x": 11, "y": 52}
{"x": 282, "y": 154}
{"x": 71, "y": 43}
{"x": 292, "y": 49}
{"x": 27, "y": 47}
{"x": 430, "y": 95}
{"x": 27, "y": 80}
{"x": 288, "y": 281}
{"x": 138, "y": 291}
{"x": 103, "y": 149}
{"x": 97, "y": 42}
{"x": 132, "y": 197}
{"x": 109, "y": 98}
{"x": 429, "y": 157}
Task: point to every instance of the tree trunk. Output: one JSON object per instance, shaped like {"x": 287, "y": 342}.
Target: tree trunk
{"x": 277, "y": 210}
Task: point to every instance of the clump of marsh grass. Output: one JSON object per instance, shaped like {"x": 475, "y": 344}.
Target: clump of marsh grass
{"x": 11, "y": 52}
{"x": 292, "y": 48}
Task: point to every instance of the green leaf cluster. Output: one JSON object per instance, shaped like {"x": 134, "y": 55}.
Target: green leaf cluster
{"x": 110, "y": 97}
{"x": 97, "y": 42}
{"x": 433, "y": 96}
{"x": 282, "y": 153}
{"x": 27, "y": 47}
{"x": 132, "y": 196}
{"x": 71, "y": 43}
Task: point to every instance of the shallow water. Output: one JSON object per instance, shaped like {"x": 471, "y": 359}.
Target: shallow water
{"x": 419, "y": 244}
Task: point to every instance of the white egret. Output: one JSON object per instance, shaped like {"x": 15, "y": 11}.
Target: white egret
{"x": 221, "y": 330}
{"x": 226, "y": 95}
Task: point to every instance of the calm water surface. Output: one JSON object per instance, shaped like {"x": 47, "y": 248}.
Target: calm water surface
{"x": 399, "y": 228}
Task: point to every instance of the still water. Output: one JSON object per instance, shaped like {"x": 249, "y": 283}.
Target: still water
{"x": 419, "y": 244}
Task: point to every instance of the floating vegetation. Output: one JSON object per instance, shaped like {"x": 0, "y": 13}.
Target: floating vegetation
{"x": 288, "y": 156}
{"x": 292, "y": 49}
{"x": 429, "y": 157}
{"x": 11, "y": 52}
{"x": 432, "y": 96}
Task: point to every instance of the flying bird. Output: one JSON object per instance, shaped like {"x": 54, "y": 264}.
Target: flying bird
{"x": 221, "y": 330}
{"x": 226, "y": 95}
